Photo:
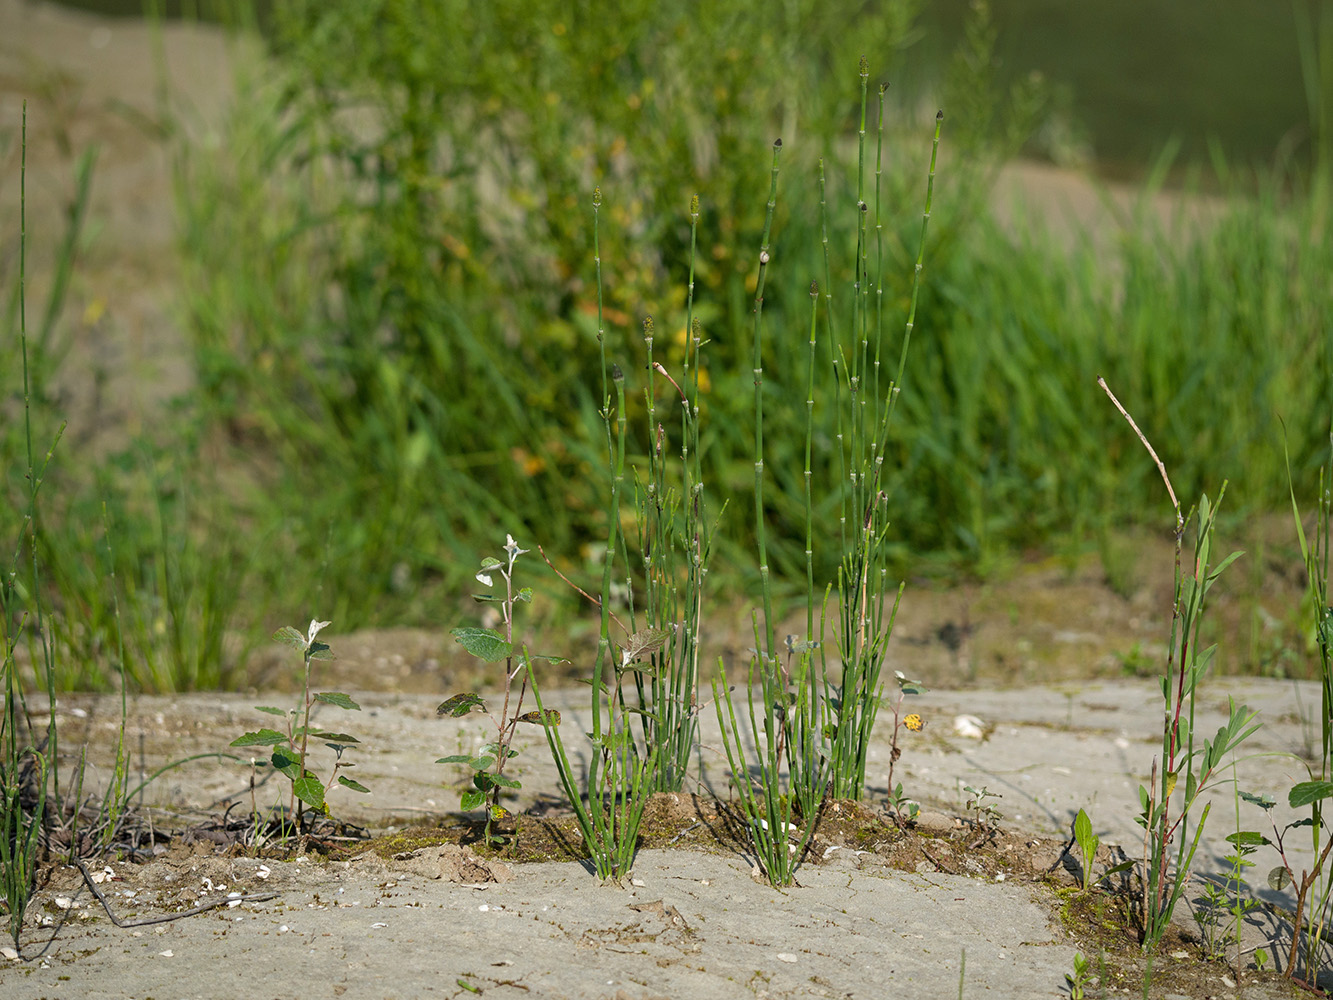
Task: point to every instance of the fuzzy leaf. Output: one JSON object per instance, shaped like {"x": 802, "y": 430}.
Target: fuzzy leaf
{"x": 1279, "y": 878}
{"x": 524, "y": 595}
{"x": 460, "y": 704}
{"x": 270, "y": 710}
{"x": 490, "y": 562}
{"x": 320, "y": 651}
{"x": 355, "y": 786}
{"x": 454, "y": 758}
{"x": 336, "y": 737}
{"x": 262, "y": 738}
{"x": 552, "y": 717}
{"x": 309, "y": 790}
{"x": 642, "y": 643}
{"x": 337, "y": 698}
{"x": 288, "y": 636}
{"x": 486, "y": 643}
{"x": 1264, "y": 802}
{"x": 471, "y": 799}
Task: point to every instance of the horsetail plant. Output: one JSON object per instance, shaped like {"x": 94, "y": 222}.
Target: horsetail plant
{"x": 672, "y": 524}
{"x": 619, "y": 776}
{"x": 865, "y": 620}
{"x": 792, "y": 722}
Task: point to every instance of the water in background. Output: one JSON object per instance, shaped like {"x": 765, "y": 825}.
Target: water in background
{"x": 1138, "y": 74}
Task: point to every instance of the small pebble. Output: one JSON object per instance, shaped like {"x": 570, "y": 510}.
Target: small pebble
{"x": 786, "y": 956}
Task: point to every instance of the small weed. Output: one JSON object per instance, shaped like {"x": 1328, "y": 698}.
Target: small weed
{"x": 985, "y": 815}
{"x": 1088, "y": 842}
{"x": 488, "y": 778}
{"x": 1078, "y": 979}
{"x": 289, "y": 755}
{"x": 904, "y": 809}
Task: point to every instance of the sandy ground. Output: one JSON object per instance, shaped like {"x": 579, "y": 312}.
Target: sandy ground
{"x": 691, "y": 923}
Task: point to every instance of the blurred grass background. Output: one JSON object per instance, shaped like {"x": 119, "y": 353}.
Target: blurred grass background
{"x": 387, "y": 292}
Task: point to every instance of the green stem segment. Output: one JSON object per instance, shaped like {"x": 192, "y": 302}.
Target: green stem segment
{"x": 764, "y": 257}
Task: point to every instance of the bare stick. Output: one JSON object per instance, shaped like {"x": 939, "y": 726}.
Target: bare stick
{"x": 1160, "y": 466}
{"x": 571, "y": 583}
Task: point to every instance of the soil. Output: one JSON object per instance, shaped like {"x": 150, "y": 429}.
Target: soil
{"x": 1045, "y": 661}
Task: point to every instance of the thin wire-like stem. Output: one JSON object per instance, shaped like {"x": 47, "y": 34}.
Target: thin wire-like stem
{"x": 761, "y": 536}
{"x": 1161, "y": 466}
{"x": 809, "y": 475}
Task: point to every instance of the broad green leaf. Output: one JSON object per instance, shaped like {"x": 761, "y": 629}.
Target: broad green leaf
{"x": 355, "y": 786}
{"x": 454, "y": 758}
{"x": 1306, "y": 792}
{"x": 471, "y": 799}
{"x": 486, "y": 643}
{"x": 1087, "y": 840}
{"x": 551, "y": 659}
{"x": 270, "y": 710}
{"x": 261, "y": 738}
{"x": 481, "y": 762}
{"x": 337, "y": 698}
{"x": 552, "y": 717}
{"x": 460, "y": 704}
{"x": 504, "y": 781}
{"x": 913, "y": 687}
{"x": 490, "y": 562}
{"x": 309, "y": 790}
{"x": 288, "y": 636}
{"x": 493, "y": 748}
{"x": 336, "y": 737}
{"x": 1246, "y": 838}
{"x": 524, "y": 595}
{"x": 287, "y": 762}
{"x": 319, "y": 651}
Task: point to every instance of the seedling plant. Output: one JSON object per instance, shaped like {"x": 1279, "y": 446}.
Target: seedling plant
{"x": 290, "y": 755}
{"x": 1088, "y": 842}
{"x": 904, "y": 809}
{"x": 488, "y": 764}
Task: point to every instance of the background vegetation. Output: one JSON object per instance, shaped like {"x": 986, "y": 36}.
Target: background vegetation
{"x": 390, "y": 304}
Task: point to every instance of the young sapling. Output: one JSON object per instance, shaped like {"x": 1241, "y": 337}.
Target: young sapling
{"x": 488, "y": 763}
{"x": 290, "y": 748}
